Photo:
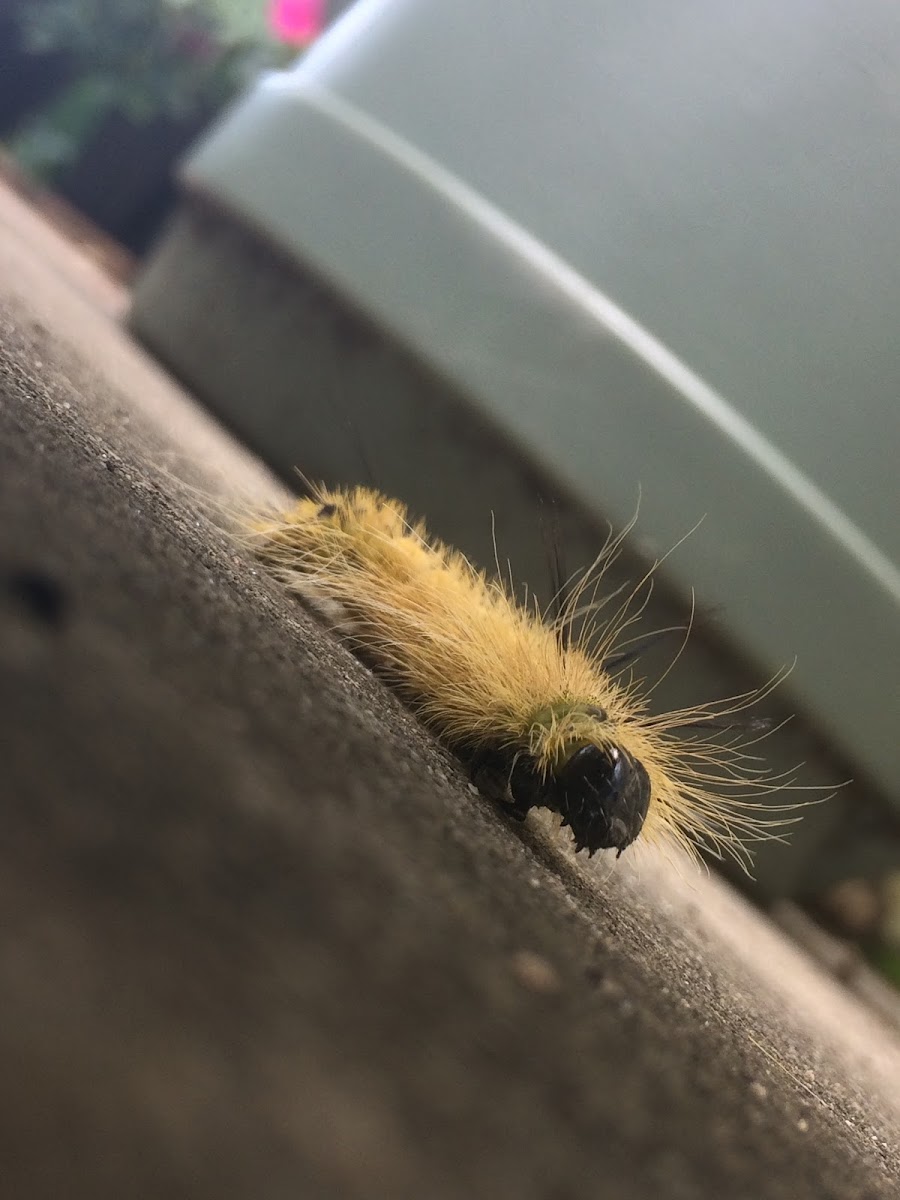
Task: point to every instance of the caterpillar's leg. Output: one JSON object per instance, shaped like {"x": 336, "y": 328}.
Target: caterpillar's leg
{"x": 504, "y": 777}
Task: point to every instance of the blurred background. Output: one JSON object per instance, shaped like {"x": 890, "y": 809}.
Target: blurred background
{"x": 528, "y": 264}
{"x": 99, "y": 98}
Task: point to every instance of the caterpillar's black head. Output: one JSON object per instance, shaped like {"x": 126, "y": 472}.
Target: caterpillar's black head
{"x": 603, "y": 794}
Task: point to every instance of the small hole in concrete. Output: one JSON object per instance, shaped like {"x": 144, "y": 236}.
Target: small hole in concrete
{"x": 39, "y": 594}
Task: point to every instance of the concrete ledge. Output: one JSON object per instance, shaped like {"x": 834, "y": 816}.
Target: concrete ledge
{"x": 259, "y": 937}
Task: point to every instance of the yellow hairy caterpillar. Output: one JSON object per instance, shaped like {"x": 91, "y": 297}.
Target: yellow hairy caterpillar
{"x": 542, "y": 719}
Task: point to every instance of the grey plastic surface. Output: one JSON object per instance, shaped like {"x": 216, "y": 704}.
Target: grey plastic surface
{"x": 658, "y": 245}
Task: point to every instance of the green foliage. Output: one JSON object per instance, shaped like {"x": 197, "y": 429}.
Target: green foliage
{"x": 146, "y": 59}
{"x": 151, "y": 57}
{"x": 52, "y": 138}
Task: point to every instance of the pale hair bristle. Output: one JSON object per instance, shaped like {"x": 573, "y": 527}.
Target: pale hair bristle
{"x": 476, "y": 666}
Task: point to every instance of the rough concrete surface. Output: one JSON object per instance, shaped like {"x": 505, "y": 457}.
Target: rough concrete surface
{"x": 258, "y": 936}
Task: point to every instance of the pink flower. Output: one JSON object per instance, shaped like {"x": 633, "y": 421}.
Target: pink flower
{"x": 298, "y": 21}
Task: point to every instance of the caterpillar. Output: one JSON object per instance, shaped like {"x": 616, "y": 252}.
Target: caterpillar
{"x": 541, "y": 718}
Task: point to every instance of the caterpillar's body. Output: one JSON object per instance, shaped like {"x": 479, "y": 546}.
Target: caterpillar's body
{"x": 540, "y": 721}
